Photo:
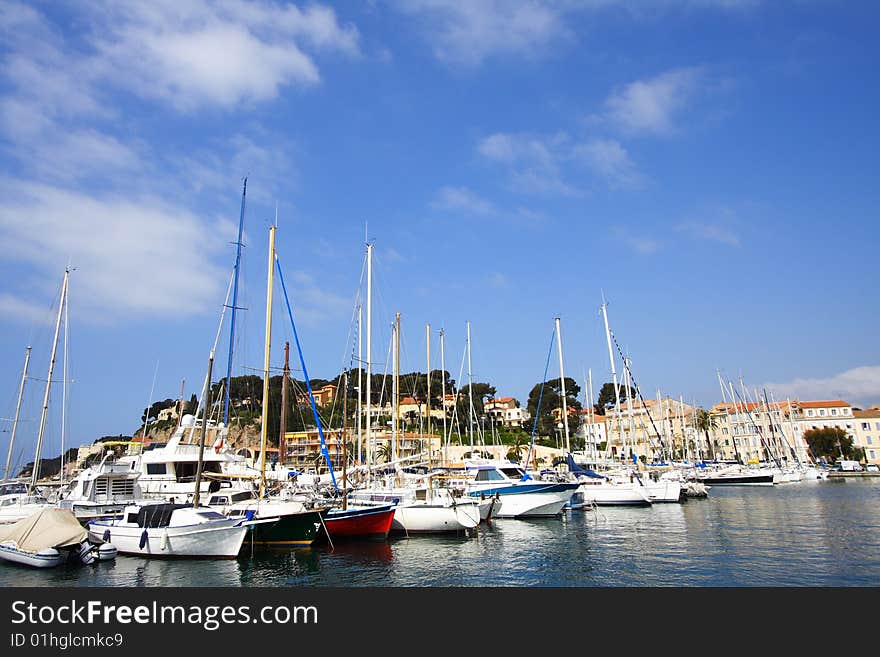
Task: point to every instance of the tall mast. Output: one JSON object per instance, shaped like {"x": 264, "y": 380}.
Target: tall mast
{"x": 206, "y": 397}
{"x": 360, "y": 389}
{"x": 395, "y": 402}
{"x": 470, "y": 390}
{"x": 282, "y": 440}
{"x": 64, "y": 377}
{"x": 592, "y": 415}
{"x": 234, "y": 305}
{"x": 36, "y": 472}
{"x": 613, "y": 371}
{"x": 443, "y": 389}
{"x": 562, "y": 385}
{"x": 369, "y": 418}
{"x": 180, "y": 403}
{"x": 27, "y": 359}
{"x": 428, "y": 395}
{"x": 266, "y": 353}
{"x": 629, "y": 404}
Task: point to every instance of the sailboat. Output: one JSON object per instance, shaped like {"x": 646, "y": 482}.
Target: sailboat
{"x": 17, "y": 506}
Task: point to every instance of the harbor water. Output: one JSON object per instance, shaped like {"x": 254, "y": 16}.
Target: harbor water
{"x": 809, "y": 534}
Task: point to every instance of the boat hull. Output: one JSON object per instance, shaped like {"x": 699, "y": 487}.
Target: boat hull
{"x": 188, "y": 541}
{"x": 291, "y": 530}
{"x": 364, "y": 522}
{"x": 606, "y": 494}
{"x": 48, "y": 558}
{"x": 531, "y": 500}
{"x": 739, "y": 480}
{"x": 427, "y": 518}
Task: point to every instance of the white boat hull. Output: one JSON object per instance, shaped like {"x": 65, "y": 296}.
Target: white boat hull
{"x": 664, "y": 490}
{"x": 218, "y": 541}
{"x": 533, "y": 505}
{"x": 609, "y": 494}
{"x": 47, "y": 558}
{"x": 434, "y": 518}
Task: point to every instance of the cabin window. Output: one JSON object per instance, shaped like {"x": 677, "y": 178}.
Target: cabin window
{"x": 513, "y": 473}
{"x": 242, "y": 497}
{"x": 156, "y": 469}
{"x": 488, "y": 475}
{"x": 219, "y": 500}
{"x": 212, "y": 515}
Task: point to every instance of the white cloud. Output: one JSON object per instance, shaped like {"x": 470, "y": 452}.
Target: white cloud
{"x": 133, "y": 257}
{"x": 224, "y": 53}
{"x": 649, "y": 106}
{"x": 23, "y": 310}
{"x": 313, "y": 305}
{"x": 462, "y": 199}
{"x": 860, "y": 386}
{"x": 609, "y": 159}
{"x": 711, "y": 232}
{"x": 641, "y": 244}
{"x": 543, "y": 164}
{"x": 466, "y": 33}
{"x": 497, "y": 280}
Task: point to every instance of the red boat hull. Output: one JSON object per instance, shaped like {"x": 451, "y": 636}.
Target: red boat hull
{"x": 374, "y": 523}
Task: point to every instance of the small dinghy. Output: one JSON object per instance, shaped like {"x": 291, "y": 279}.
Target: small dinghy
{"x": 48, "y": 538}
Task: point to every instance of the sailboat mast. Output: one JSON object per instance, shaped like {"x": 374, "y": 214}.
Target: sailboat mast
{"x": 360, "y": 389}
{"x": 234, "y": 305}
{"x": 35, "y": 475}
{"x": 206, "y": 396}
{"x": 264, "y": 424}
{"x": 428, "y": 394}
{"x": 470, "y": 390}
{"x": 613, "y": 371}
{"x": 592, "y": 415}
{"x": 27, "y": 359}
{"x": 282, "y": 440}
{"x": 443, "y": 389}
{"x": 395, "y": 393}
{"x": 64, "y": 379}
{"x": 369, "y": 418}
{"x": 562, "y": 385}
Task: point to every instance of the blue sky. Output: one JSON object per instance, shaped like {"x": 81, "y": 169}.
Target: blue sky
{"x": 709, "y": 164}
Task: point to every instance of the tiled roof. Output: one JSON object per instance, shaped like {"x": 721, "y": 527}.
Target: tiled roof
{"x": 832, "y": 403}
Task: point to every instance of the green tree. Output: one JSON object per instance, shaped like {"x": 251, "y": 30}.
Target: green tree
{"x": 551, "y": 399}
{"x": 706, "y": 422}
{"x": 830, "y": 443}
{"x": 607, "y": 399}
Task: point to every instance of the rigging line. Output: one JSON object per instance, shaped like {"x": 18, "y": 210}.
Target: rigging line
{"x": 540, "y": 397}
{"x": 324, "y": 450}
{"x": 756, "y": 427}
{"x": 638, "y": 391}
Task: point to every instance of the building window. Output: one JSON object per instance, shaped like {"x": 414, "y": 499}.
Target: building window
{"x": 870, "y": 442}
{"x": 866, "y": 426}
{"x": 877, "y": 426}
{"x": 822, "y": 412}
{"x": 872, "y": 455}
{"x": 810, "y": 413}
{"x": 833, "y": 411}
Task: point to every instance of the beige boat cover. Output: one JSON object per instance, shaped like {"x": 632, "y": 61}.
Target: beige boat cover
{"x": 46, "y": 528}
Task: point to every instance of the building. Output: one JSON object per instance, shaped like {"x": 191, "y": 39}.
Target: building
{"x": 323, "y": 396}
{"x": 506, "y": 411}
{"x": 652, "y": 429}
{"x": 867, "y": 432}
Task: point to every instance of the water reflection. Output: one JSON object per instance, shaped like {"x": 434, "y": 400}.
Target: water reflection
{"x": 808, "y": 534}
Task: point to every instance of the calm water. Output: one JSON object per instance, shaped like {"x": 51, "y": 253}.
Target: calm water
{"x": 809, "y": 534}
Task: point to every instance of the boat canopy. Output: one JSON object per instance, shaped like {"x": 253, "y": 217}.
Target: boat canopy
{"x": 157, "y": 515}
{"x": 581, "y": 470}
{"x": 47, "y": 528}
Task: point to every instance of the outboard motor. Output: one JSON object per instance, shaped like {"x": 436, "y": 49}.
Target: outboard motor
{"x": 86, "y": 553}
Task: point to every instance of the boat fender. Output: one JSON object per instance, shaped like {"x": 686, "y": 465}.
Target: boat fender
{"x": 164, "y": 543}
{"x": 106, "y": 552}
{"x": 106, "y": 536}
{"x": 143, "y": 541}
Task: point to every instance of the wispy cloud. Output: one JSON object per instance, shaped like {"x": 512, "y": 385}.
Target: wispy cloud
{"x": 709, "y": 232}
{"x": 650, "y": 106}
{"x": 641, "y": 244}
{"x": 467, "y": 33}
{"x": 129, "y": 253}
{"x": 18, "y": 309}
{"x": 206, "y": 53}
{"x": 313, "y": 304}
{"x": 462, "y": 199}
{"x": 497, "y": 280}
{"x": 860, "y": 385}
{"x": 547, "y": 164}
{"x": 610, "y": 160}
